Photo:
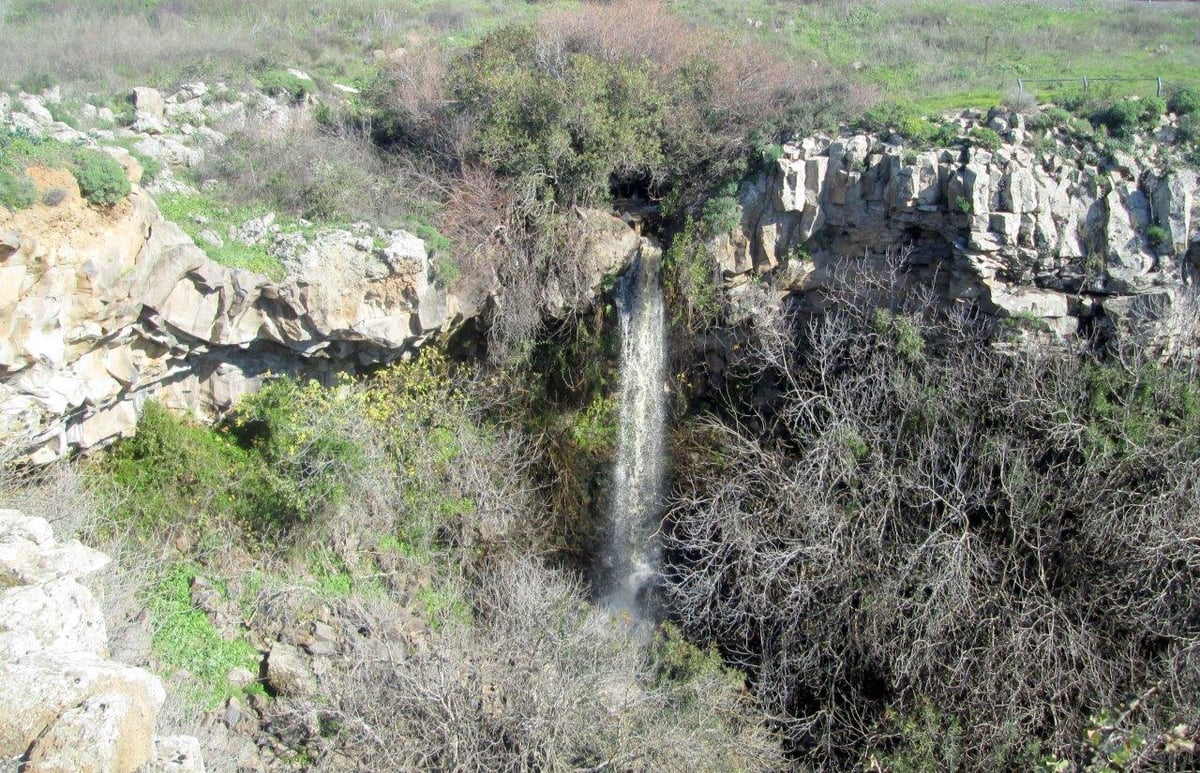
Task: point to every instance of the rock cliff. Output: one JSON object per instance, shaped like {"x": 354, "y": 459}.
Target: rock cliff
{"x": 1062, "y": 230}
{"x": 102, "y": 309}
{"x": 64, "y": 706}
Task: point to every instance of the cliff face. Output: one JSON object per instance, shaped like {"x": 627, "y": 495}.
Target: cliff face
{"x": 100, "y": 310}
{"x": 1064, "y": 233}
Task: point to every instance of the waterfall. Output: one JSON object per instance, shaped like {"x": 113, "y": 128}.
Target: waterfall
{"x": 632, "y": 554}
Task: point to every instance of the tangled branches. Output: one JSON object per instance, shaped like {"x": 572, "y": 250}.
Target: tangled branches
{"x": 928, "y": 541}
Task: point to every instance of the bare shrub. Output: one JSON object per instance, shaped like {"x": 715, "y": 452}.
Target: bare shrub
{"x": 332, "y": 174}
{"x": 540, "y": 682}
{"x": 918, "y": 517}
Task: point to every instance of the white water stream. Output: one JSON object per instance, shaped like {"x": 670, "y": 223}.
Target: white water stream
{"x": 632, "y": 556}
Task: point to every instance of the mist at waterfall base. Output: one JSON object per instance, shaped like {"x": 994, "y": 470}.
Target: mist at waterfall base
{"x": 630, "y": 564}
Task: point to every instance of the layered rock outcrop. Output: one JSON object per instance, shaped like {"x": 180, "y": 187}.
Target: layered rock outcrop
{"x": 1054, "y": 231}
{"x": 64, "y": 706}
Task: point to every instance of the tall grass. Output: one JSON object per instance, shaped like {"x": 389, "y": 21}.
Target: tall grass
{"x": 106, "y": 45}
{"x": 952, "y": 53}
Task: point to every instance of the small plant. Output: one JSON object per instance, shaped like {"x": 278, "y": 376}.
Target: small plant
{"x": 102, "y": 181}
{"x": 1123, "y": 116}
{"x": 962, "y": 204}
{"x": 284, "y": 83}
{"x": 985, "y": 138}
{"x": 1158, "y": 236}
{"x": 54, "y": 197}
{"x": 186, "y": 642}
{"x": 721, "y": 213}
{"x": 61, "y": 114}
{"x": 443, "y": 271}
{"x": 770, "y": 154}
{"x": 16, "y": 191}
{"x": 36, "y": 82}
{"x": 1184, "y": 101}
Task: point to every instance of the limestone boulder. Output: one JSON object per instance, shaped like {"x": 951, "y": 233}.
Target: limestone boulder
{"x": 288, "y": 672}
{"x": 110, "y": 731}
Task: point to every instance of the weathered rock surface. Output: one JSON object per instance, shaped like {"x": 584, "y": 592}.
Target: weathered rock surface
{"x": 1045, "y": 233}
{"x": 63, "y": 705}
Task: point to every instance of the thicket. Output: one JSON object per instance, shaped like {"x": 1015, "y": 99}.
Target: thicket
{"x": 586, "y": 105}
{"x": 401, "y": 498}
{"x": 932, "y": 552}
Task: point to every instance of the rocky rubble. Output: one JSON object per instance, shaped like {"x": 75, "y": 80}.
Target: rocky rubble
{"x": 101, "y": 310}
{"x": 64, "y": 706}
{"x": 1066, "y": 234}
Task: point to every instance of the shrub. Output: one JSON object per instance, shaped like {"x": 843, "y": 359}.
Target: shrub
{"x": 691, "y": 280}
{"x": 1184, "y": 101}
{"x": 985, "y": 138}
{"x": 1125, "y": 115}
{"x": 102, "y": 180}
{"x": 176, "y": 475}
{"x": 893, "y": 603}
{"x": 54, "y": 197}
{"x": 887, "y": 116}
{"x": 305, "y": 432}
{"x": 36, "y": 82}
{"x": 16, "y": 191}
{"x": 721, "y": 213}
{"x": 561, "y": 127}
{"x": 282, "y": 83}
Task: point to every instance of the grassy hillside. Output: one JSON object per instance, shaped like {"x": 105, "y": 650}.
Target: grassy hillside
{"x": 970, "y": 54}
{"x": 946, "y": 54}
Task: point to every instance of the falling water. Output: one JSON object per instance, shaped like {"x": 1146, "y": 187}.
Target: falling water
{"x": 632, "y": 556}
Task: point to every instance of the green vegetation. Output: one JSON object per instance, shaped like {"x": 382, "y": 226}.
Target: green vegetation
{"x": 961, "y": 55}
{"x": 102, "y": 180}
{"x": 185, "y": 640}
{"x": 177, "y": 475}
{"x": 1125, "y": 115}
{"x": 287, "y": 84}
{"x": 985, "y": 138}
{"x": 1185, "y": 101}
{"x": 691, "y": 280}
{"x": 559, "y": 134}
{"x": 198, "y": 212}
{"x": 16, "y": 191}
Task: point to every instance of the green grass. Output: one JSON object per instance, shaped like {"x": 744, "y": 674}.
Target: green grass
{"x": 197, "y": 212}
{"x": 444, "y": 605}
{"x": 933, "y": 51}
{"x": 186, "y": 644}
{"x": 175, "y": 475}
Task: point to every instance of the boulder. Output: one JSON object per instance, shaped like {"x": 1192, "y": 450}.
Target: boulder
{"x": 110, "y": 731}
{"x": 288, "y": 673}
{"x": 148, "y": 103}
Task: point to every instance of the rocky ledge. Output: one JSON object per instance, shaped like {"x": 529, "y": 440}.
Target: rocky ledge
{"x": 1057, "y": 229}
{"x": 64, "y": 706}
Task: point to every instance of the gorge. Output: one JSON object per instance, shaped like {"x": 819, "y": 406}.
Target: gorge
{"x": 598, "y": 386}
